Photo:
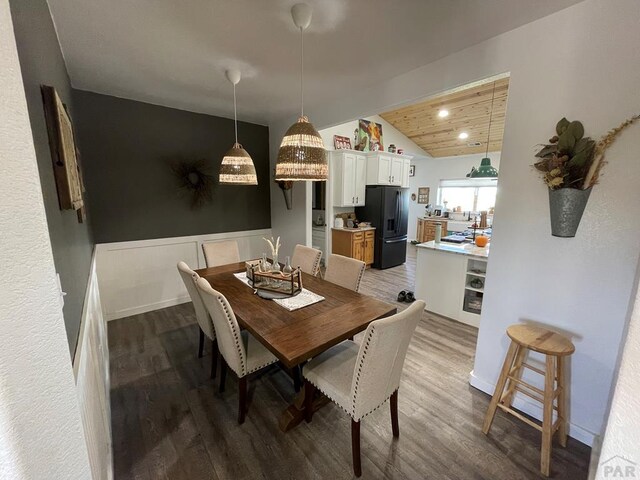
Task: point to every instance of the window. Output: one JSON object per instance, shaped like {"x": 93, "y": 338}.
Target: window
{"x": 470, "y": 194}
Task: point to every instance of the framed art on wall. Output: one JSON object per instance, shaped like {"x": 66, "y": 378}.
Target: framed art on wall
{"x": 412, "y": 170}
{"x": 341, "y": 143}
{"x": 369, "y": 136}
{"x": 63, "y": 151}
{"x": 423, "y": 195}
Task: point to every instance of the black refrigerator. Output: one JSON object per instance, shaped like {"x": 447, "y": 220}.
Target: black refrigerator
{"x": 387, "y": 208}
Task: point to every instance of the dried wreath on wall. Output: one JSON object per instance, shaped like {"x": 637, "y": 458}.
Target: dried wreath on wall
{"x": 194, "y": 180}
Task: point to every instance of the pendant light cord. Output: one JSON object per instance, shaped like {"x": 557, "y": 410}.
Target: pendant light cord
{"x": 302, "y": 71}
{"x": 493, "y": 94}
{"x": 235, "y": 112}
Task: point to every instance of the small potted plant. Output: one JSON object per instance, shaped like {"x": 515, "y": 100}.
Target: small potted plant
{"x": 571, "y": 164}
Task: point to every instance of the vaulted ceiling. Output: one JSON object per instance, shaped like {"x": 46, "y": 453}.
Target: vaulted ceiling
{"x": 478, "y": 111}
{"x": 174, "y": 53}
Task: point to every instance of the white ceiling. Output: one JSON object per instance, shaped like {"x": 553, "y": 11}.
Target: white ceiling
{"x": 175, "y": 52}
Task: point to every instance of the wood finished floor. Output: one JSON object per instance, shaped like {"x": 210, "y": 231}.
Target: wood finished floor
{"x": 169, "y": 421}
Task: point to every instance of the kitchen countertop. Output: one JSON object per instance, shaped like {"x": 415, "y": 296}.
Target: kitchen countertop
{"x": 458, "y": 248}
{"x": 347, "y": 229}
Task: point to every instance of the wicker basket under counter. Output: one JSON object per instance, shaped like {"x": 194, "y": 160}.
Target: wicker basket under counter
{"x": 427, "y": 229}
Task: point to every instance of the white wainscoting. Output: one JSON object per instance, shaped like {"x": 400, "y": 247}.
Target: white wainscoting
{"x": 141, "y": 276}
{"x": 91, "y": 370}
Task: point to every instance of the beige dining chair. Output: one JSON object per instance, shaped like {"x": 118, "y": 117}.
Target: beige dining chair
{"x": 240, "y": 350}
{"x": 307, "y": 258}
{"x": 344, "y": 271}
{"x": 189, "y": 277}
{"x": 220, "y": 253}
{"x": 359, "y": 379}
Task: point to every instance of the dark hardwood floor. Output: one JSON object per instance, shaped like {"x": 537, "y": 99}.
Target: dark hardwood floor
{"x": 169, "y": 421}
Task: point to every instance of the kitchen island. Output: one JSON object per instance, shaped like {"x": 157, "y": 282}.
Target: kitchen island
{"x": 450, "y": 279}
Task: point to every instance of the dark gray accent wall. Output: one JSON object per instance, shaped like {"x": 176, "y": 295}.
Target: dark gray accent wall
{"x": 126, "y": 149}
{"x": 41, "y": 62}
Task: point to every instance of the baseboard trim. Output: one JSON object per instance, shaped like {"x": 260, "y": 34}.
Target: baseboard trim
{"x": 524, "y": 404}
{"x": 147, "y": 308}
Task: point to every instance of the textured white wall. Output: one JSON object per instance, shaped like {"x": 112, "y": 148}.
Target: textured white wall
{"x": 582, "y": 62}
{"x": 622, "y": 436}
{"x": 40, "y": 428}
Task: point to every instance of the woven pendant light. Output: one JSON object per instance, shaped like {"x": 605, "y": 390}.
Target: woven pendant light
{"x": 302, "y": 155}
{"x": 237, "y": 166}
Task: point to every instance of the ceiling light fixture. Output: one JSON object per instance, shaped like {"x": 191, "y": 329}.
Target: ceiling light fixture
{"x": 302, "y": 155}
{"x": 237, "y": 166}
{"x": 443, "y": 113}
{"x": 463, "y": 135}
{"x": 485, "y": 169}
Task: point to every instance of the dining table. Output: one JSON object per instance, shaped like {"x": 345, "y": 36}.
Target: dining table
{"x": 298, "y": 335}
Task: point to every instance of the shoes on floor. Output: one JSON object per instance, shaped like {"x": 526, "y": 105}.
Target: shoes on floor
{"x": 406, "y": 296}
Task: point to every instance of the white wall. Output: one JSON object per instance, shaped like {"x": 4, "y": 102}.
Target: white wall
{"x": 390, "y": 135}
{"x": 41, "y": 432}
{"x": 141, "y": 276}
{"x": 622, "y": 436}
{"x": 588, "y": 68}
{"x": 91, "y": 369}
{"x": 429, "y": 172}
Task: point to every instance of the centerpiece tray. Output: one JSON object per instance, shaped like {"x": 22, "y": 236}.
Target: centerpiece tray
{"x": 274, "y": 284}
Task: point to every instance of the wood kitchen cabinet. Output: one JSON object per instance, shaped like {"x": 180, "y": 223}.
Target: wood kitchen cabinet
{"x": 354, "y": 242}
{"x": 349, "y": 178}
{"x": 426, "y": 230}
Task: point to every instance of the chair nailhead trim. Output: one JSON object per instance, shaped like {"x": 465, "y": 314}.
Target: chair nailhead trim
{"x": 367, "y": 341}
{"x": 360, "y": 277}
{"x": 236, "y": 337}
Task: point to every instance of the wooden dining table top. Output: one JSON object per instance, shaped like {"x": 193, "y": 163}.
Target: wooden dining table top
{"x": 298, "y": 335}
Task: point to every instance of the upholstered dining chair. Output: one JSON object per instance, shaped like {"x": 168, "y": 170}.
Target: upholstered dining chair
{"x": 220, "y": 253}
{"x": 240, "y": 350}
{"x": 307, "y": 258}
{"x": 189, "y": 277}
{"x": 344, "y": 271}
{"x": 360, "y": 379}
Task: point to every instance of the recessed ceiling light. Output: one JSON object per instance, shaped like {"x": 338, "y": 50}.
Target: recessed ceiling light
{"x": 443, "y": 113}
{"x": 463, "y": 135}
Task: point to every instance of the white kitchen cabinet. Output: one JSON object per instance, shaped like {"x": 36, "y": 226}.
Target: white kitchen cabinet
{"x": 387, "y": 169}
{"x": 349, "y": 175}
{"x": 406, "y": 165}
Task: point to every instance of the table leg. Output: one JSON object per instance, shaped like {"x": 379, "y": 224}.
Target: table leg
{"x": 297, "y": 382}
{"x": 296, "y": 412}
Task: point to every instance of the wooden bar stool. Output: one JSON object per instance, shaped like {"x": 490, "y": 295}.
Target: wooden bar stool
{"x": 555, "y": 347}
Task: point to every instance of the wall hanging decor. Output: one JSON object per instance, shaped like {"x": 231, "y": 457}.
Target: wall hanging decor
{"x": 341, "y": 143}
{"x": 64, "y": 154}
{"x": 287, "y": 190}
{"x": 423, "y": 195}
{"x": 194, "y": 180}
{"x": 571, "y": 164}
{"x": 369, "y": 136}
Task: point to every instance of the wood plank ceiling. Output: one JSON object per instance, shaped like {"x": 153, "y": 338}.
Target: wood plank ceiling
{"x": 469, "y": 111}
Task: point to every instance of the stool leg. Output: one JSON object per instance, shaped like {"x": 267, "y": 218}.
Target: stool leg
{"x": 562, "y": 403}
{"x": 507, "y": 399}
{"x": 497, "y": 394}
{"x": 547, "y": 418}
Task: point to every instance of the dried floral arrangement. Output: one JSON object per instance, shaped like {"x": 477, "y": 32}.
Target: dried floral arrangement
{"x": 193, "y": 178}
{"x": 571, "y": 160}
